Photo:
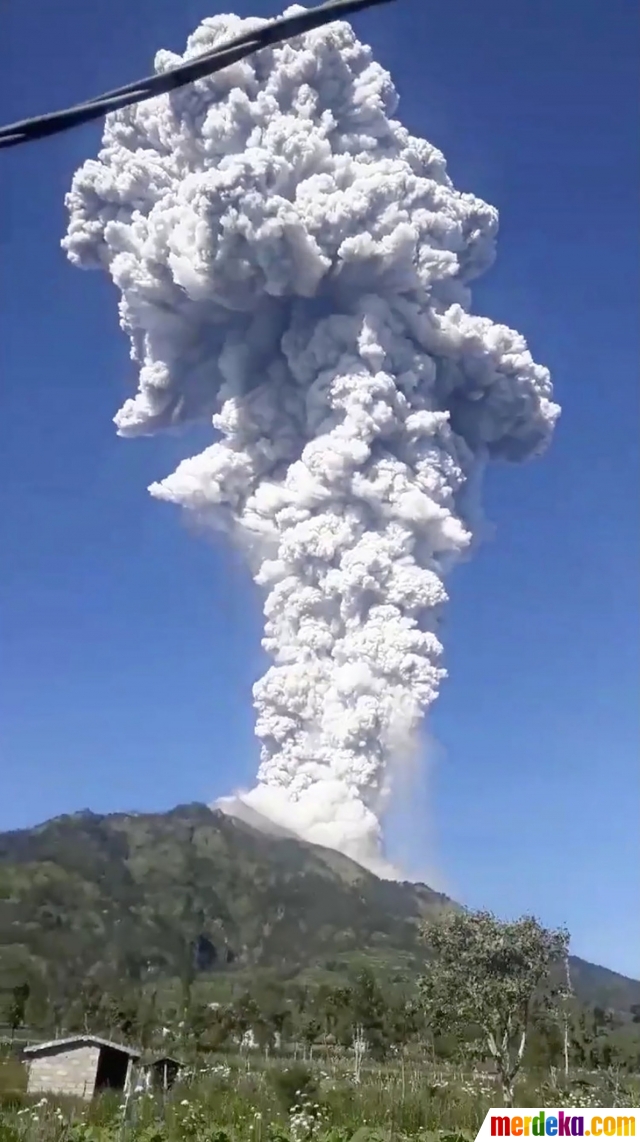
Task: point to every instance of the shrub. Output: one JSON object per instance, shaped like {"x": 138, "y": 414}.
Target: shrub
{"x": 293, "y": 1083}
{"x": 13, "y": 1099}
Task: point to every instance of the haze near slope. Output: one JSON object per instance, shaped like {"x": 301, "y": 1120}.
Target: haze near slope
{"x": 294, "y": 265}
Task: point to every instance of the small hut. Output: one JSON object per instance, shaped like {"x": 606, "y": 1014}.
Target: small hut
{"x": 82, "y": 1066}
{"x": 160, "y": 1073}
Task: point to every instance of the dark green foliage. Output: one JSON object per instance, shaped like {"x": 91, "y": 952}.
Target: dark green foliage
{"x": 294, "y": 1083}
{"x": 97, "y": 913}
{"x": 93, "y": 906}
{"x": 9, "y": 1133}
{"x": 13, "y": 1099}
{"x": 13, "y": 1009}
{"x": 370, "y": 1012}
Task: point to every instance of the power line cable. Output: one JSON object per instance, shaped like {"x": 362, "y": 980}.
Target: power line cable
{"x": 284, "y": 28}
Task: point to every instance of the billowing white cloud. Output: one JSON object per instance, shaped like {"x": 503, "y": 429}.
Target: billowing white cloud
{"x": 295, "y": 266}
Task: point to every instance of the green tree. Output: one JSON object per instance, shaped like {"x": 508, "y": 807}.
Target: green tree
{"x": 122, "y": 1014}
{"x": 17, "y": 1006}
{"x": 91, "y": 1003}
{"x": 309, "y": 1029}
{"x": 492, "y": 976}
{"x": 334, "y": 1005}
{"x": 147, "y": 1017}
{"x": 61, "y": 986}
{"x": 405, "y": 1021}
{"x": 275, "y": 1013}
{"x": 369, "y": 1011}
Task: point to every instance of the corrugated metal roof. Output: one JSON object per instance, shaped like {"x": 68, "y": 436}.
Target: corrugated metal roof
{"x": 80, "y": 1041}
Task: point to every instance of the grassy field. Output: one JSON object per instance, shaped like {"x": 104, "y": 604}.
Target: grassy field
{"x": 240, "y": 1099}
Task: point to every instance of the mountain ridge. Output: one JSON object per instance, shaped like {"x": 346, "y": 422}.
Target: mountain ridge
{"x": 133, "y": 889}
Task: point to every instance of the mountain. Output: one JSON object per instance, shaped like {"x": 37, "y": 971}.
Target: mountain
{"x": 134, "y": 890}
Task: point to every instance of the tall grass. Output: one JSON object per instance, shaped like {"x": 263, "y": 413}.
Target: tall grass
{"x": 257, "y": 1100}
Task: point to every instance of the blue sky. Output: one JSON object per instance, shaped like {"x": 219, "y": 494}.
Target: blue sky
{"x": 129, "y": 646}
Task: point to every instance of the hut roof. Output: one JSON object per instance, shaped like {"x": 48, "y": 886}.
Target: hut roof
{"x": 156, "y": 1060}
{"x": 75, "y": 1041}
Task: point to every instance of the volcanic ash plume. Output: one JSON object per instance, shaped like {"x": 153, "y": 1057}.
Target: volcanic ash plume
{"x": 294, "y": 265}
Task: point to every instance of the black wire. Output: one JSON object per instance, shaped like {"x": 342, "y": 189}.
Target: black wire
{"x": 281, "y": 29}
